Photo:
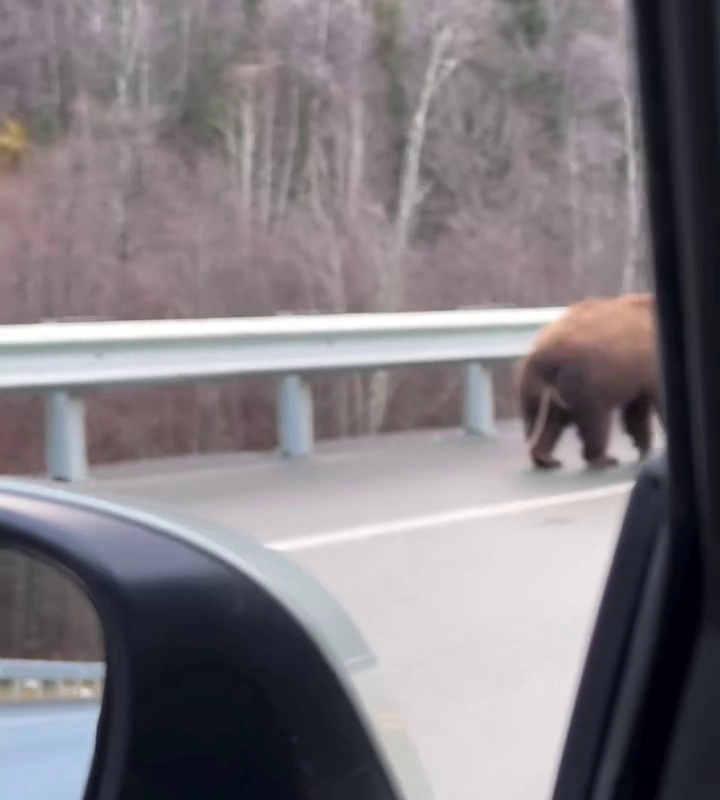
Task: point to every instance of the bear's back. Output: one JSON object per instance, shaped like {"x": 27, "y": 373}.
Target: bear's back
{"x": 623, "y": 324}
{"x": 613, "y": 338}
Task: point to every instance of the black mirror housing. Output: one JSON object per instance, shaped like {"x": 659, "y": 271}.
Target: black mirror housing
{"x": 230, "y": 672}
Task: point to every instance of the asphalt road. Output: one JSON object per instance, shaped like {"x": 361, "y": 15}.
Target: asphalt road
{"x": 358, "y": 483}
{"x": 45, "y": 750}
{"x": 481, "y": 628}
{"x": 474, "y": 578}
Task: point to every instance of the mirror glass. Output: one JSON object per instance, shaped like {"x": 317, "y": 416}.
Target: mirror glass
{"x": 52, "y": 669}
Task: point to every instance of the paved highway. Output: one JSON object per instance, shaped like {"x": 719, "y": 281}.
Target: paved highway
{"x": 475, "y": 579}
{"x": 369, "y": 482}
{"x": 45, "y": 750}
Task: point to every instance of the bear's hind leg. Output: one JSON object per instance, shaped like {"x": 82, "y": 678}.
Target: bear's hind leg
{"x": 550, "y": 427}
{"x": 637, "y": 422}
{"x": 541, "y": 453}
{"x": 576, "y": 386}
{"x": 593, "y": 422}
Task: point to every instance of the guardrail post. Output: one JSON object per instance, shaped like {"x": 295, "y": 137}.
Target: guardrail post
{"x": 66, "y": 451}
{"x": 295, "y": 417}
{"x": 479, "y": 404}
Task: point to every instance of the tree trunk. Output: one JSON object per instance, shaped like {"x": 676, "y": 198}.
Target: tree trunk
{"x": 391, "y": 289}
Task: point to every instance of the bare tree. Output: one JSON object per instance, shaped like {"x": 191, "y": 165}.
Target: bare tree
{"x": 225, "y": 158}
{"x": 392, "y": 276}
{"x": 628, "y": 92}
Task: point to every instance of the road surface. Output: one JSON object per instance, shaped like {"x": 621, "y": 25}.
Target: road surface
{"x": 474, "y": 578}
{"x": 45, "y": 750}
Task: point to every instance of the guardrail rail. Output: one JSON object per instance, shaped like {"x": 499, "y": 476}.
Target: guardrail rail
{"x": 63, "y": 360}
{"x": 22, "y": 679}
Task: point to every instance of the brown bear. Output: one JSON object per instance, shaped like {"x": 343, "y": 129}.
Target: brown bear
{"x": 601, "y": 355}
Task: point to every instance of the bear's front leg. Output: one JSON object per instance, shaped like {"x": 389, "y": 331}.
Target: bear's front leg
{"x": 637, "y": 422}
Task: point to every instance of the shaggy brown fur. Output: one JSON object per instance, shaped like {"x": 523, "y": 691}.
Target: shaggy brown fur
{"x": 600, "y": 356}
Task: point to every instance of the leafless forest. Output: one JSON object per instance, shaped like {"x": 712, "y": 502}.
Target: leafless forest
{"x": 44, "y": 613}
{"x": 245, "y": 157}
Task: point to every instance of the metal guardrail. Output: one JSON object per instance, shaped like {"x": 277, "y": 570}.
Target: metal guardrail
{"x": 23, "y": 679}
{"x": 63, "y": 360}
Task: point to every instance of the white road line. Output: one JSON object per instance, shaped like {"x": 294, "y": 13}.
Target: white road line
{"x": 409, "y": 524}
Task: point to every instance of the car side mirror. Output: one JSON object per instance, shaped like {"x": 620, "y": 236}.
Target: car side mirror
{"x": 229, "y": 672}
